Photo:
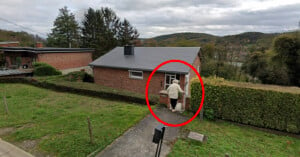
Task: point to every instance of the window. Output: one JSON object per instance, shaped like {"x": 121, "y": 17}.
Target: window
{"x": 169, "y": 79}
{"x": 135, "y": 74}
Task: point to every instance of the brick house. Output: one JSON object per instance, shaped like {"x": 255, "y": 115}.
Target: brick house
{"x": 129, "y": 68}
{"x": 60, "y": 58}
{"x": 9, "y": 44}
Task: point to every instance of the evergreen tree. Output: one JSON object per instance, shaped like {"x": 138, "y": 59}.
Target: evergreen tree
{"x": 127, "y": 33}
{"x": 103, "y": 30}
{"x": 287, "y": 50}
{"x": 66, "y": 30}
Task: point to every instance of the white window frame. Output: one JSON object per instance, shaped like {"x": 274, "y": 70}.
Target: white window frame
{"x": 136, "y": 77}
{"x": 186, "y": 85}
{"x": 171, "y": 75}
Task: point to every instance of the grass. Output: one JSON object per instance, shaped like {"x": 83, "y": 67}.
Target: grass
{"x": 58, "y": 121}
{"x": 226, "y": 138}
{"x": 63, "y": 80}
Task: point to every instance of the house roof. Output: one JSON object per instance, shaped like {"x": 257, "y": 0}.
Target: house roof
{"x": 9, "y": 42}
{"x": 45, "y": 50}
{"x": 147, "y": 58}
{"x": 13, "y": 72}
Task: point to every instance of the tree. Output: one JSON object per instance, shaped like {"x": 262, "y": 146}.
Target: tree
{"x": 127, "y": 33}
{"x": 66, "y": 30}
{"x": 103, "y": 30}
{"x": 207, "y": 52}
{"x": 92, "y": 29}
{"x": 287, "y": 50}
{"x": 99, "y": 30}
{"x": 256, "y": 65}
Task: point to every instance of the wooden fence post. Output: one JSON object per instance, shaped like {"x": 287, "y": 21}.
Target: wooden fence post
{"x": 90, "y": 130}
{"x": 201, "y": 114}
{"x": 5, "y": 104}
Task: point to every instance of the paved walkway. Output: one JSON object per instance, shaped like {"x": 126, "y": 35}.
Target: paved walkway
{"x": 137, "y": 141}
{"x": 87, "y": 69}
{"x": 9, "y": 150}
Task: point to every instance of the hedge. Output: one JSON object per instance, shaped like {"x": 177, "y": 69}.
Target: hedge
{"x": 44, "y": 69}
{"x": 261, "y": 108}
{"x": 105, "y": 93}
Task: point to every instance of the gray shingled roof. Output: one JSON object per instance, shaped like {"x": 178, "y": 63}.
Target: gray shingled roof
{"x": 147, "y": 58}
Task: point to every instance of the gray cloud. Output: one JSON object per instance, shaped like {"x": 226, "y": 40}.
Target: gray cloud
{"x": 156, "y": 17}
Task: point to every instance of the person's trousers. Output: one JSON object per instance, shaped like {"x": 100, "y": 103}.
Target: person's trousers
{"x": 173, "y": 103}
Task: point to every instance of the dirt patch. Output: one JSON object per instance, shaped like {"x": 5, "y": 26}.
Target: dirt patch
{"x": 5, "y": 131}
{"x": 28, "y": 144}
{"x": 32, "y": 146}
{"x": 26, "y": 125}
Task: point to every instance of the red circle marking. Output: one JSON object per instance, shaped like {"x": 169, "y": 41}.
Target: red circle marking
{"x": 147, "y": 86}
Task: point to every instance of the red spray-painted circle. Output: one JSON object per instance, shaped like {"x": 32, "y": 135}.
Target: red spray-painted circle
{"x": 147, "y": 100}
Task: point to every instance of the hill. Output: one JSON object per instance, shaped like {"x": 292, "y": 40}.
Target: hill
{"x": 240, "y": 44}
{"x": 180, "y": 39}
{"x": 25, "y": 39}
{"x": 198, "y": 39}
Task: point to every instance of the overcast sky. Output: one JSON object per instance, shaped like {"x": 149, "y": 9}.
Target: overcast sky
{"x": 158, "y": 17}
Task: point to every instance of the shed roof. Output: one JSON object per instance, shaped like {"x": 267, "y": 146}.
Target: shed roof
{"x": 147, "y": 58}
{"x": 9, "y": 42}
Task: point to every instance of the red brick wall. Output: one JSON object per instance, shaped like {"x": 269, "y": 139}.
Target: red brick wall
{"x": 195, "y": 64}
{"x": 9, "y": 45}
{"x": 24, "y": 59}
{"x": 66, "y": 60}
{"x": 119, "y": 79}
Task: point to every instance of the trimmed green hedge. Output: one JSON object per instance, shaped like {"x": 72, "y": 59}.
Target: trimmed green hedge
{"x": 44, "y": 69}
{"x": 105, "y": 92}
{"x": 262, "y": 108}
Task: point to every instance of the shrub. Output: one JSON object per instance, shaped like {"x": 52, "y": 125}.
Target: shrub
{"x": 79, "y": 76}
{"x": 88, "y": 78}
{"x": 209, "y": 114}
{"x": 39, "y": 64}
{"x": 262, "y": 108}
{"x": 43, "y": 69}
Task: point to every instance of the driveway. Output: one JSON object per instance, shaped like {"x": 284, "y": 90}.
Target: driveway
{"x": 9, "y": 150}
{"x": 137, "y": 141}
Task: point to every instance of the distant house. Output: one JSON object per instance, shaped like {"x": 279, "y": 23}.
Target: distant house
{"x": 129, "y": 68}
{"x": 60, "y": 58}
{"x": 9, "y": 44}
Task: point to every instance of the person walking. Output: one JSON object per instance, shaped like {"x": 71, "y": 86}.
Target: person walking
{"x": 173, "y": 91}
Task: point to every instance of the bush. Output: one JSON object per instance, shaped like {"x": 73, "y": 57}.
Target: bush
{"x": 39, "y": 64}
{"x": 209, "y": 114}
{"x": 43, "y": 69}
{"x": 262, "y": 108}
{"x": 88, "y": 78}
{"x": 79, "y": 76}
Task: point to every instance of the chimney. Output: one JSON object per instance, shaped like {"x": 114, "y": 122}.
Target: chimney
{"x": 129, "y": 50}
{"x": 38, "y": 44}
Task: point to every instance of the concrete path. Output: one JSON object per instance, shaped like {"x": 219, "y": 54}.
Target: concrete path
{"x": 9, "y": 150}
{"x": 87, "y": 69}
{"x": 137, "y": 141}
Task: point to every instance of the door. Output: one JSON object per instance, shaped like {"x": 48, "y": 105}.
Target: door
{"x": 169, "y": 77}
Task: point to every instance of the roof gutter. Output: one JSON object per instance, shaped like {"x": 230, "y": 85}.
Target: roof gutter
{"x": 141, "y": 69}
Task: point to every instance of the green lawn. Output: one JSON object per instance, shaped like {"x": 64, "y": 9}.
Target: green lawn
{"x": 224, "y": 137}
{"x": 58, "y": 121}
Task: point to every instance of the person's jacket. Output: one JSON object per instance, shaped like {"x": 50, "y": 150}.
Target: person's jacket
{"x": 173, "y": 90}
